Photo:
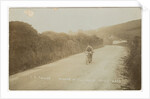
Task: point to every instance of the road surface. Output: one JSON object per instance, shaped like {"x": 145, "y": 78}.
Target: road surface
{"x": 71, "y": 73}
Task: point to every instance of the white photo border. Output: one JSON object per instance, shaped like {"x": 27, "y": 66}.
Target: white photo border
{"x": 4, "y": 77}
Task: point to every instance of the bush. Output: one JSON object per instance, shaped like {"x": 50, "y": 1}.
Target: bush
{"x": 28, "y": 48}
{"x": 133, "y": 63}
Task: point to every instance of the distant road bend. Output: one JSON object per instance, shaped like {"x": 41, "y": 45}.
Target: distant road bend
{"x": 72, "y": 73}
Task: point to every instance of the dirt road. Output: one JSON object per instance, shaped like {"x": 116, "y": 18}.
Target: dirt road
{"x": 72, "y": 73}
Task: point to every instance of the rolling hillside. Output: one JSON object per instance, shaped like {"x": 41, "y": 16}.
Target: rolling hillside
{"x": 125, "y": 31}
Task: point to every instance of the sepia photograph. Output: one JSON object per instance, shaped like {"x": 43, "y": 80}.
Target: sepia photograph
{"x": 75, "y": 48}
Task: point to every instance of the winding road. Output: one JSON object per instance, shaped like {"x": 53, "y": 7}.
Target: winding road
{"x": 71, "y": 73}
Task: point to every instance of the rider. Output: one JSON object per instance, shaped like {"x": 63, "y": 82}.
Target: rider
{"x": 90, "y": 49}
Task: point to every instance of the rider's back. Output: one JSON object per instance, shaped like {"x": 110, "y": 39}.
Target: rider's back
{"x": 89, "y": 49}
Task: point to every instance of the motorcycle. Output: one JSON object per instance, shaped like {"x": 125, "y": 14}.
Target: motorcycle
{"x": 89, "y": 57}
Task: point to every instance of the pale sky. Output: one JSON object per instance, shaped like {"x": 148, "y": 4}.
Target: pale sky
{"x": 73, "y": 19}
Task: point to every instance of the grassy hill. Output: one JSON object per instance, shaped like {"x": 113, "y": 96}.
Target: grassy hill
{"x": 125, "y": 31}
